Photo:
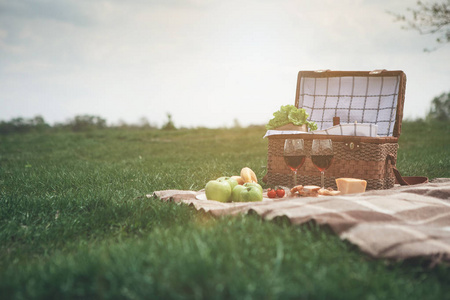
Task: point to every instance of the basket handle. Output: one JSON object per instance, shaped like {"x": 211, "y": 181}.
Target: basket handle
{"x": 404, "y": 180}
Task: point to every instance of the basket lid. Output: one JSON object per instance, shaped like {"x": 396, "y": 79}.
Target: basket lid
{"x": 374, "y": 97}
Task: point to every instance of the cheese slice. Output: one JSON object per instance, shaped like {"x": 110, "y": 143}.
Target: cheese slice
{"x": 351, "y": 185}
{"x": 311, "y": 188}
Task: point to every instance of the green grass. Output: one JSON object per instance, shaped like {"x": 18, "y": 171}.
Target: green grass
{"x": 75, "y": 222}
{"x": 425, "y": 149}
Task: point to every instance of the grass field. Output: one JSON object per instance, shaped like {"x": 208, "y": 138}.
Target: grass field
{"x": 75, "y": 222}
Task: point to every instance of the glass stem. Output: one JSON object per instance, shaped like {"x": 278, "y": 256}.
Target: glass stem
{"x": 295, "y": 178}
{"x": 322, "y": 179}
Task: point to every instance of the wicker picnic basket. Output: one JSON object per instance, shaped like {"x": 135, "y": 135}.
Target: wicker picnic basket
{"x": 374, "y": 97}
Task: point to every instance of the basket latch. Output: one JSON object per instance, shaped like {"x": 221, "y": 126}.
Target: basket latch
{"x": 352, "y": 146}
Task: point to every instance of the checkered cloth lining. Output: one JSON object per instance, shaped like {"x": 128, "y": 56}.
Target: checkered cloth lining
{"x": 352, "y": 98}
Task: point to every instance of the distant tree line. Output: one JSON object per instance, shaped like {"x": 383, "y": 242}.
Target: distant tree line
{"x": 24, "y": 125}
{"x": 76, "y": 124}
{"x": 439, "y": 111}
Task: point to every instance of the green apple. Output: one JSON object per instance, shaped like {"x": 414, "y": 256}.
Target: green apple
{"x": 251, "y": 194}
{"x": 236, "y": 193}
{"x": 254, "y": 184}
{"x": 233, "y": 182}
{"x": 218, "y": 190}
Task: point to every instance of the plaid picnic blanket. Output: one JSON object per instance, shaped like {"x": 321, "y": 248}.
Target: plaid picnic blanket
{"x": 399, "y": 223}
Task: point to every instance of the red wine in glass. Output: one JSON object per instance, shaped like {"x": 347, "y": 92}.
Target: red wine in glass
{"x": 294, "y": 155}
{"x": 295, "y": 162}
{"x": 322, "y": 162}
{"x": 322, "y": 156}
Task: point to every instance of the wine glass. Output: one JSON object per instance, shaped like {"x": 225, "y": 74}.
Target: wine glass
{"x": 294, "y": 155}
{"x": 322, "y": 156}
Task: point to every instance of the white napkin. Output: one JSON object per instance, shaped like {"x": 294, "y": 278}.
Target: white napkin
{"x": 353, "y": 129}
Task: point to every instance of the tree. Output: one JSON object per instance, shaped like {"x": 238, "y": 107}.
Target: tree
{"x": 440, "y": 108}
{"x": 169, "y": 125}
{"x": 86, "y": 122}
{"x": 39, "y": 123}
{"x": 429, "y": 18}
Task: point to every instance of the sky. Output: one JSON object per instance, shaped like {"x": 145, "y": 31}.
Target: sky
{"x": 207, "y": 63}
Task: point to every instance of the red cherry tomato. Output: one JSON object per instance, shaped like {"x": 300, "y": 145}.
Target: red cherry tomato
{"x": 280, "y": 192}
{"x": 271, "y": 193}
